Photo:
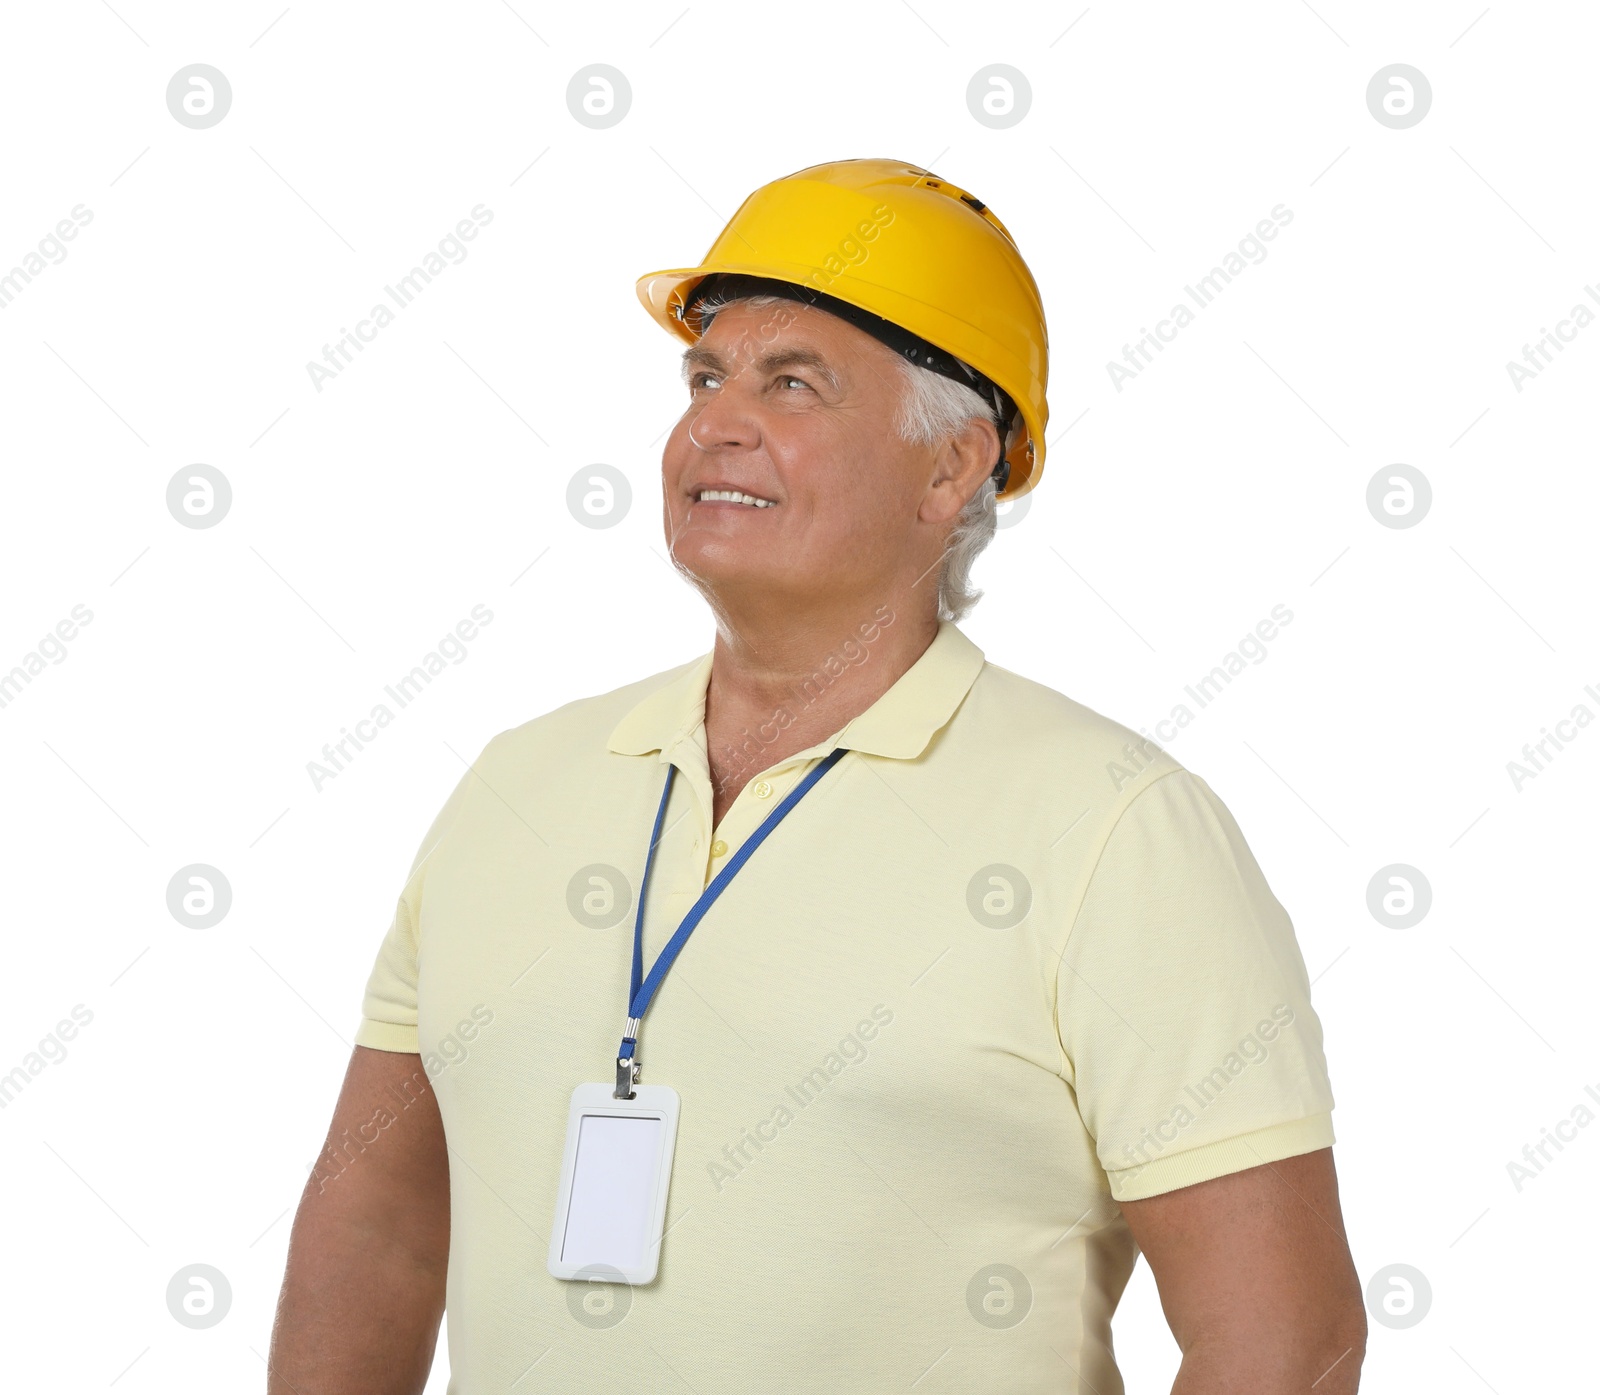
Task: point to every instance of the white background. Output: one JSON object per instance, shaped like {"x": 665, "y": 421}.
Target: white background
{"x": 431, "y": 475}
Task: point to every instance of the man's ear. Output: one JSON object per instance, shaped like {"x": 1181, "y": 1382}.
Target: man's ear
{"x": 962, "y": 464}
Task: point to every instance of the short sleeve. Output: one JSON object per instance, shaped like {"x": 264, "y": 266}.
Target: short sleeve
{"x": 389, "y": 1008}
{"x": 1183, "y": 1005}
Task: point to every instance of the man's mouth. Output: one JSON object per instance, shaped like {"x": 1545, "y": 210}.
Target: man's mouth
{"x": 732, "y": 496}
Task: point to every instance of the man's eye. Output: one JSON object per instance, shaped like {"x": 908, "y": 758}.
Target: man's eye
{"x": 785, "y": 381}
{"x": 700, "y": 380}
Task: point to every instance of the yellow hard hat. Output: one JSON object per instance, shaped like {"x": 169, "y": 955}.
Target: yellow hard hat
{"x": 907, "y": 247}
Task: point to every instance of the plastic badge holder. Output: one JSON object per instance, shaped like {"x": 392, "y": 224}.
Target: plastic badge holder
{"x": 615, "y": 1171}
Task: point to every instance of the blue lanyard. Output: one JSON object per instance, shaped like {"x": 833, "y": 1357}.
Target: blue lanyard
{"x": 643, "y": 989}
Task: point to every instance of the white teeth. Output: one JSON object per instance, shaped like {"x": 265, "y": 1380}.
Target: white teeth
{"x": 733, "y": 496}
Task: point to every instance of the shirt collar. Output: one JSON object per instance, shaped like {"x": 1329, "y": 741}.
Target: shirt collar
{"x": 899, "y": 724}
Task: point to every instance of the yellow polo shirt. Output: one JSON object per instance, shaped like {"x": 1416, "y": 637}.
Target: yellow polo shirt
{"x": 1003, "y": 967}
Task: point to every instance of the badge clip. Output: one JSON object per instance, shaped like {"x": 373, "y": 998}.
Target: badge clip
{"x": 627, "y": 1063}
{"x": 627, "y": 1078}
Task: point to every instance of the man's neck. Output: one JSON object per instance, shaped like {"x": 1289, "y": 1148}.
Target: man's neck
{"x": 780, "y": 687}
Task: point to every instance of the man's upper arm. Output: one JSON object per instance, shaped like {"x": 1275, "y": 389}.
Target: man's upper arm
{"x": 385, "y": 1151}
{"x": 1256, "y": 1278}
{"x": 1183, "y": 1003}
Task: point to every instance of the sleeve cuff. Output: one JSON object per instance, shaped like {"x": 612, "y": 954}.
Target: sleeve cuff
{"x": 1271, "y": 1144}
{"x": 386, "y": 1036}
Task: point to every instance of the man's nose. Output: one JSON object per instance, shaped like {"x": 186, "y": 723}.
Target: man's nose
{"x": 726, "y": 420}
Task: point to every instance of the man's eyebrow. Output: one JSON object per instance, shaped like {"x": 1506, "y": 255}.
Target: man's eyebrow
{"x": 699, "y": 357}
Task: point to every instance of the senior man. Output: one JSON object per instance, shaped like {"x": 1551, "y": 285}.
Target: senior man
{"x": 835, "y": 1011}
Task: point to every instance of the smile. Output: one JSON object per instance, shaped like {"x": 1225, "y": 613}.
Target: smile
{"x": 732, "y": 496}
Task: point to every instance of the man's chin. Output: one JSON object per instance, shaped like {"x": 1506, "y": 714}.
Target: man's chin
{"x": 734, "y": 569}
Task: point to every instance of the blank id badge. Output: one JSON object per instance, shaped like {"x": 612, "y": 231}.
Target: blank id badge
{"x": 612, "y": 1205}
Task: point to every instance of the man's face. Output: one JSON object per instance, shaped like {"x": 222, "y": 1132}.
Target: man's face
{"x": 792, "y": 404}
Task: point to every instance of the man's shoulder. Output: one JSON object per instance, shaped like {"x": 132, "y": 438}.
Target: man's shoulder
{"x": 588, "y": 720}
{"x": 1044, "y": 730}
{"x": 1086, "y": 769}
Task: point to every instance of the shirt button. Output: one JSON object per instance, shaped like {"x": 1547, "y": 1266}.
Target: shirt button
{"x": 719, "y": 848}
{"x": 761, "y": 789}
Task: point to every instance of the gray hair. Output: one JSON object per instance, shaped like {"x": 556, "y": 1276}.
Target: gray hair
{"x": 932, "y": 408}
